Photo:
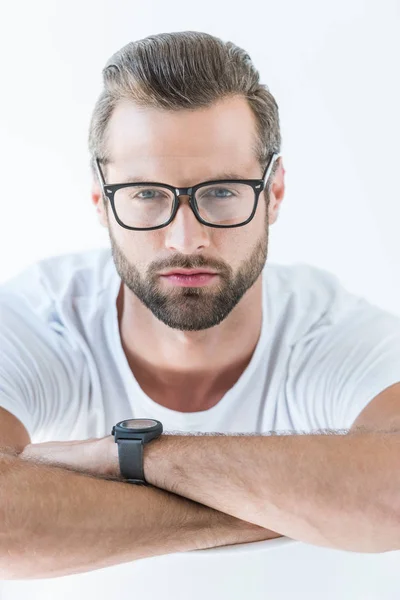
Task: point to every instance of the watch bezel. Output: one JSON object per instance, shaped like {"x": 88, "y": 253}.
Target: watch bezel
{"x": 121, "y": 429}
{"x": 141, "y": 429}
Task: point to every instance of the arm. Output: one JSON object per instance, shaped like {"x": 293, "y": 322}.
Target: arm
{"x": 340, "y": 491}
{"x": 329, "y": 490}
{"x": 56, "y": 522}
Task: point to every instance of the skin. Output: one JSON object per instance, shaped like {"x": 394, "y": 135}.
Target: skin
{"x": 200, "y": 342}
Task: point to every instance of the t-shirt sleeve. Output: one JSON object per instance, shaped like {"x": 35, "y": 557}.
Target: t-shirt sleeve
{"x": 37, "y": 369}
{"x": 340, "y": 367}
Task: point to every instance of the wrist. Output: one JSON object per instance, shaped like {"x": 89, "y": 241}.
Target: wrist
{"x": 106, "y": 452}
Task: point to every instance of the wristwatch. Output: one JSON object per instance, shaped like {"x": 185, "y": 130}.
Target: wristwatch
{"x": 131, "y": 435}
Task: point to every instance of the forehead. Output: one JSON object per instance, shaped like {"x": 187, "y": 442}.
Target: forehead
{"x": 221, "y": 136}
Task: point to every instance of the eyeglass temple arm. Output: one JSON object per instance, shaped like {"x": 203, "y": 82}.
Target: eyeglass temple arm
{"x": 276, "y": 156}
{"x": 99, "y": 172}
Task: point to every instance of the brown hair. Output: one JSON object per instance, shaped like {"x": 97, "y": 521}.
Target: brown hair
{"x": 184, "y": 70}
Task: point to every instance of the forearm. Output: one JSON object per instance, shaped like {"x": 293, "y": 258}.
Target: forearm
{"x": 56, "y": 522}
{"x": 339, "y": 491}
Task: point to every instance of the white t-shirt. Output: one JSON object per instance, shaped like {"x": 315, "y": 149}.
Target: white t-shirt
{"x": 322, "y": 355}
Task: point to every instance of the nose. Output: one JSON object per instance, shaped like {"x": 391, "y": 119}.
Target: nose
{"x": 185, "y": 234}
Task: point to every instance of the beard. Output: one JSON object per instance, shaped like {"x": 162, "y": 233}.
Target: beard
{"x": 192, "y": 308}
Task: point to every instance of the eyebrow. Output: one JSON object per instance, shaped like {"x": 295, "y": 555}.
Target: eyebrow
{"x": 218, "y": 177}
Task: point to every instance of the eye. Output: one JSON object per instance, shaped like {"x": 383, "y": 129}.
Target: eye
{"x": 215, "y": 192}
{"x": 146, "y": 194}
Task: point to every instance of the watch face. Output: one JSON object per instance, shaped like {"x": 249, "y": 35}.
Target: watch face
{"x": 138, "y": 423}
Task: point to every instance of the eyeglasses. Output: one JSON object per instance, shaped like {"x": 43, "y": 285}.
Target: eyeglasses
{"x": 148, "y": 205}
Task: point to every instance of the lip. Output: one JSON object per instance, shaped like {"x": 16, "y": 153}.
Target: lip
{"x": 196, "y": 280}
{"x": 188, "y": 272}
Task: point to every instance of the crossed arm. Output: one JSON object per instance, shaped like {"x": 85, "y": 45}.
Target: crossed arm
{"x": 341, "y": 491}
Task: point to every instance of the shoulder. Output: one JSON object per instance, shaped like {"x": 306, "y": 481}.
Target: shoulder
{"x": 306, "y": 283}
{"x": 304, "y": 298}
{"x": 44, "y": 287}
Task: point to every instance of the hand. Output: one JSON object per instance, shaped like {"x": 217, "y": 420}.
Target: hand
{"x": 96, "y": 456}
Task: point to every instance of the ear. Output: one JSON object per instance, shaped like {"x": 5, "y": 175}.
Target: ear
{"x": 277, "y": 193}
{"x": 98, "y": 201}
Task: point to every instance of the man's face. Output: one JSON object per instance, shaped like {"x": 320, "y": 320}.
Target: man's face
{"x": 182, "y": 149}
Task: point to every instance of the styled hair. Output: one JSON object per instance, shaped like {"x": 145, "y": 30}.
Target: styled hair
{"x": 184, "y": 70}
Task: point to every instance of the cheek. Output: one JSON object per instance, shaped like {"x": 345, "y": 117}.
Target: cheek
{"x": 261, "y": 212}
{"x": 141, "y": 248}
{"x": 250, "y": 234}
{"x": 236, "y": 244}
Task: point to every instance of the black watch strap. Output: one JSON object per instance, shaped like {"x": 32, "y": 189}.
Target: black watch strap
{"x": 130, "y": 452}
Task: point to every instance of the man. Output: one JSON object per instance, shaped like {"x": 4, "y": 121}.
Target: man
{"x": 186, "y": 325}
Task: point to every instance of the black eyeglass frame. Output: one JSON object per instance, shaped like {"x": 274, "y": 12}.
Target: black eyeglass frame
{"x": 258, "y": 186}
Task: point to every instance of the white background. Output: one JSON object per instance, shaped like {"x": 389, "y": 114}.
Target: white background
{"x": 334, "y": 71}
